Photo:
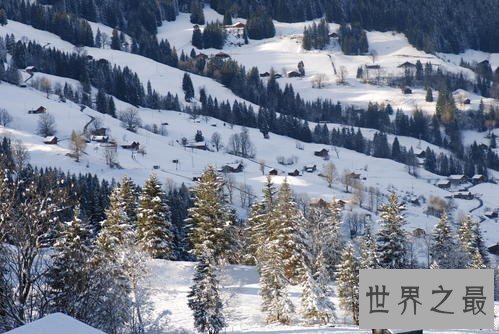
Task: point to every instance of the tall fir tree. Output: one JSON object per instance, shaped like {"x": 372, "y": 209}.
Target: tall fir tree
{"x": 69, "y": 275}
{"x": 212, "y": 220}
{"x": 154, "y": 228}
{"x": 204, "y": 299}
{"x": 368, "y": 255}
{"x": 290, "y": 234}
{"x": 347, "y": 280}
{"x": 443, "y": 246}
{"x": 187, "y": 87}
{"x": 316, "y": 305}
{"x": 391, "y": 238}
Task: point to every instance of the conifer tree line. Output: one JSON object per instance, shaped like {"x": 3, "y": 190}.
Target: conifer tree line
{"x": 413, "y": 19}
{"x": 100, "y": 234}
{"x": 294, "y": 246}
{"x": 128, "y": 87}
{"x": 316, "y": 36}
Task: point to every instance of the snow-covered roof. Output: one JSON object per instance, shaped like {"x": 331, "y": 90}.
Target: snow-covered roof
{"x": 443, "y": 182}
{"x": 56, "y": 323}
{"x": 477, "y": 176}
{"x": 456, "y": 177}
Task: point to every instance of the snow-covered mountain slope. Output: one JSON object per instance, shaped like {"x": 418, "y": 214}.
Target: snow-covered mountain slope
{"x": 284, "y": 51}
{"x": 383, "y": 174}
{"x": 163, "y": 78}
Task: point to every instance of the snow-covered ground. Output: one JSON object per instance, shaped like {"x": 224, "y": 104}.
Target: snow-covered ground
{"x": 56, "y": 323}
{"x": 169, "y": 283}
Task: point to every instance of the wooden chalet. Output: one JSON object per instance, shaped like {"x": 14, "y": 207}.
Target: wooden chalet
{"x": 238, "y": 25}
{"x": 457, "y": 179}
{"x": 320, "y": 203}
{"x": 40, "y": 110}
{"x": 467, "y": 195}
{"x": 420, "y": 153}
{"x": 99, "y": 132}
{"x": 100, "y": 139}
{"x": 467, "y": 101}
{"x": 232, "y": 168}
{"x": 478, "y": 178}
{"x": 492, "y": 214}
{"x": 135, "y": 145}
{"x": 310, "y": 168}
{"x": 322, "y": 153}
{"x": 50, "y": 140}
{"x": 444, "y": 184}
{"x": 372, "y": 66}
{"x": 296, "y": 172}
{"x": 277, "y": 76}
{"x": 293, "y": 74}
{"x": 264, "y": 75}
{"x": 494, "y": 249}
{"x": 407, "y": 90}
{"x": 273, "y": 172}
{"x": 353, "y": 176}
{"x": 407, "y": 64}
{"x": 333, "y": 35}
{"x": 198, "y": 146}
{"x": 222, "y": 55}
{"x": 31, "y": 70}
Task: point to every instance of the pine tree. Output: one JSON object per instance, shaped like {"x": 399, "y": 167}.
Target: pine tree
{"x": 212, "y": 221}
{"x": 128, "y": 194}
{"x": 348, "y": 283}
{"x": 116, "y": 229}
{"x": 153, "y": 221}
{"x": 368, "y": 256}
{"x": 197, "y": 15}
{"x": 197, "y": 37}
{"x": 477, "y": 261}
{"x": 391, "y": 238}
{"x": 466, "y": 237}
{"x": 98, "y": 39}
{"x": 187, "y": 87}
{"x": 316, "y": 306}
{"x": 115, "y": 40}
{"x": 101, "y": 102}
{"x": 290, "y": 235}
{"x": 260, "y": 221}
{"x": 479, "y": 244}
{"x": 331, "y": 241}
{"x": 443, "y": 246}
{"x": 69, "y": 276}
{"x": 429, "y": 95}
{"x": 204, "y": 299}
{"x": 3, "y": 17}
{"x": 275, "y": 299}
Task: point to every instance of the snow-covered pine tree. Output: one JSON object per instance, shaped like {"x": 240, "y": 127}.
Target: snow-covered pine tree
{"x": 477, "y": 261}
{"x": 260, "y": 221}
{"x": 212, "y": 220}
{"x": 479, "y": 244}
{"x": 69, "y": 276}
{"x": 276, "y": 304}
{"x": 443, "y": 246}
{"x": 154, "y": 229}
{"x": 331, "y": 240}
{"x": 391, "y": 238}
{"x": 316, "y": 306}
{"x": 116, "y": 229}
{"x": 204, "y": 298}
{"x": 347, "y": 279}
{"x": 128, "y": 194}
{"x": 368, "y": 256}
{"x": 290, "y": 235}
{"x": 466, "y": 238}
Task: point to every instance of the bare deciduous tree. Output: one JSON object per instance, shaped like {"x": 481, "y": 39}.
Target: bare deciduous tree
{"x": 46, "y": 86}
{"x": 111, "y": 156}
{"x": 46, "y": 125}
{"x": 20, "y": 155}
{"x": 319, "y": 80}
{"x": 329, "y": 173}
{"x": 342, "y": 75}
{"x": 77, "y": 145}
{"x": 130, "y": 119}
{"x": 216, "y": 140}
